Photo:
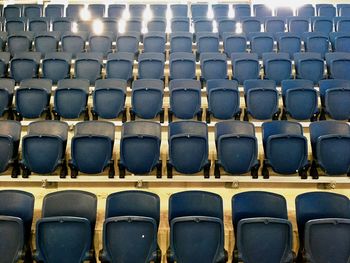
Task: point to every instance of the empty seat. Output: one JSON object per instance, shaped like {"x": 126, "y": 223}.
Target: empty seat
{"x": 330, "y": 141}
{"x": 130, "y": 214}
{"x": 182, "y": 65}
{"x": 116, "y": 10}
{"x": 128, "y": 42}
{"x": 16, "y": 210}
{"x": 15, "y": 25}
{"x": 120, "y": 65}
{"x": 250, "y": 24}
{"x": 236, "y": 147}
{"x": 151, "y": 65}
{"x": 44, "y": 148}
{"x": 181, "y": 42}
{"x": 10, "y": 134}
{"x": 185, "y": 99}
{"x": 220, "y": 10}
{"x": 261, "y": 10}
{"x": 277, "y": 66}
{"x": 334, "y": 94}
{"x": 223, "y": 99}
{"x": 88, "y": 66}
{"x": 340, "y": 41}
{"x": 180, "y": 24}
{"x": 74, "y": 10}
{"x": 323, "y": 226}
{"x": 38, "y": 24}
{"x": 96, "y": 10}
{"x": 133, "y": 25}
{"x": 322, "y": 24}
{"x": 309, "y": 65}
{"x": 285, "y": 148}
{"x": 241, "y": 10}
{"x": 306, "y": 10}
{"x": 12, "y": 11}
{"x": 342, "y": 24}
{"x": 73, "y": 42}
{"x": 234, "y": 43}
{"x": 213, "y": 66}
{"x": 261, "y": 43}
{"x": 274, "y": 24}
{"x": 147, "y": 99}
{"x": 56, "y": 66}
{"x": 245, "y": 66}
{"x": 196, "y": 227}
{"x": 110, "y": 27}
{"x": 70, "y": 99}
{"x": 316, "y": 42}
{"x": 33, "y": 99}
{"x": 203, "y": 25}
{"x": 53, "y": 11}
{"x": 92, "y": 148}
{"x": 343, "y": 9}
{"x": 25, "y": 65}
{"x": 288, "y": 42}
{"x": 327, "y": 10}
{"x": 298, "y": 25}
{"x": 199, "y": 11}
{"x": 188, "y": 148}
{"x": 46, "y": 42}
{"x": 179, "y": 10}
{"x": 261, "y": 98}
{"x": 62, "y": 25}
{"x": 137, "y": 10}
{"x": 207, "y": 42}
{"x": 338, "y": 65}
{"x": 140, "y": 148}
{"x": 4, "y": 63}
{"x": 19, "y": 42}
{"x": 109, "y": 99}
{"x": 156, "y": 25}
{"x": 33, "y": 11}
{"x": 283, "y": 11}
{"x": 226, "y": 26}
{"x": 68, "y": 222}
{"x": 260, "y": 217}
{"x": 154, "y": 42}
{"x": 7, "y": 87}
{"x": 101, "y": 43}
{"x": 299, "y": 99}
{"x": 158, "y": 10}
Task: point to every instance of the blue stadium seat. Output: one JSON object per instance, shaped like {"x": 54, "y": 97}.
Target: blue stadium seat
{"x": 33, "y": 99}
{"x": 128, "y": 42}
{"x": 260, "y": 217}
{"x": 199, "y": 10}
{"x": 120, "y": 65}
{"x": 325, "y": 214}
{"x": 343, "y": 9}
{"x": 196, "y": 228}
{"x": 7, "y": 87}
{"x": 322, "y": 24}
{"x": 220, "y": 11}
{"x": 12, "y": 11}
{"x": 181, "y": 42}
{"x": 261, "y": 98}
{"x": 334, "y": 94}
{"x": 330, "y": 147}
{"x": 261, "y": 10}
{"x": 340, "y": 41}
{"x": 316, "y": 42}
{"x": 101, "y": 43}
{"x": 223, "y": 99}
{"x": 10, "y": 134}
{"x": 137, "y": 10}
{"x": 226, "y": 26}
{"x": 299, "y": 99}
{"x": 44, "y": 148}
{"x": 185, "y": 99}
{"x": 56, "y": 66}
{"x": 237, "y": 148}
{"x": 25, "y": 65}
{"x": 179, "y": 10}
{"x": 261, "y": 43}
{"x": 277, "y": 66}
{"x": 73, "y": 42}
{"x": 306, "y": 10}
{"x": 274, "y": 24}
{"x": 241, "y": 10}
{"x": 84, "y": 26}
{"x": 151, "y": 65}
{"x": 14, "y": 25}
{"x": 32, "y": 10}
{"x": 110, "y": 25}
{"x": 38, "y": 24}
{"x": 62, "y": 25}
{"x": 341, "y": 24}
{"x": 20, "y": 42}
{"x": 182, "y": 65}
{"x": 53, "y": 11}
{"x": 327, "y": 10}
{"x": 116, "y": 10}
{"x": 96, "y": 10}
{"x": 207, "y": 42}
{"x": 74, "y": 11}
{"x": 88, "y": 66}
{"x": 156, "y": 24}
{"x": 16, "y": 210}
{"x": 133, "y": 25}
{"x": 109, "y": 99}
{"x": 338, "y": 64}
{"x": 213, "y": 66}
{"x": 154, "y": 42}
{"x": 158, "y": 10}
{"x": 289, "y": 43}
{"x": 140, "y": 148}
{"x": 180, "y": 24}
{"x": 234, "y": 43}
{"x": 70, "y": 99}
{"x": 283, "y": 11}
{"x": 251, "y": 24}
{"x": 92, "y": 148}
{"x": 285, "y": 148}
{"x": 309, "y": 65}
{"x": 147, "y": 99}
{"x": 46, "y": 42}
{"x": 4, "y": 63}
{"x": 203, "y": 25}
{"x": 129, "y": 214}
{"x": 245, "y": 66}
{"x": 67, "y": 222}
{"x": 298, "y": 25}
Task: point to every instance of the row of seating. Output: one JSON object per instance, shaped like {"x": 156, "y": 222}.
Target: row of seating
{"x": 198, "y": 10}
{"x": 196, "y": 227}
{"x": 285, "y": 148}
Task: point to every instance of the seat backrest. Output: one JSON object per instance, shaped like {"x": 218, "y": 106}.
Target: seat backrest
{"x": 281, "y": 127}
{"x": 11, "y": 244}
{"x": 104, "y": 128}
